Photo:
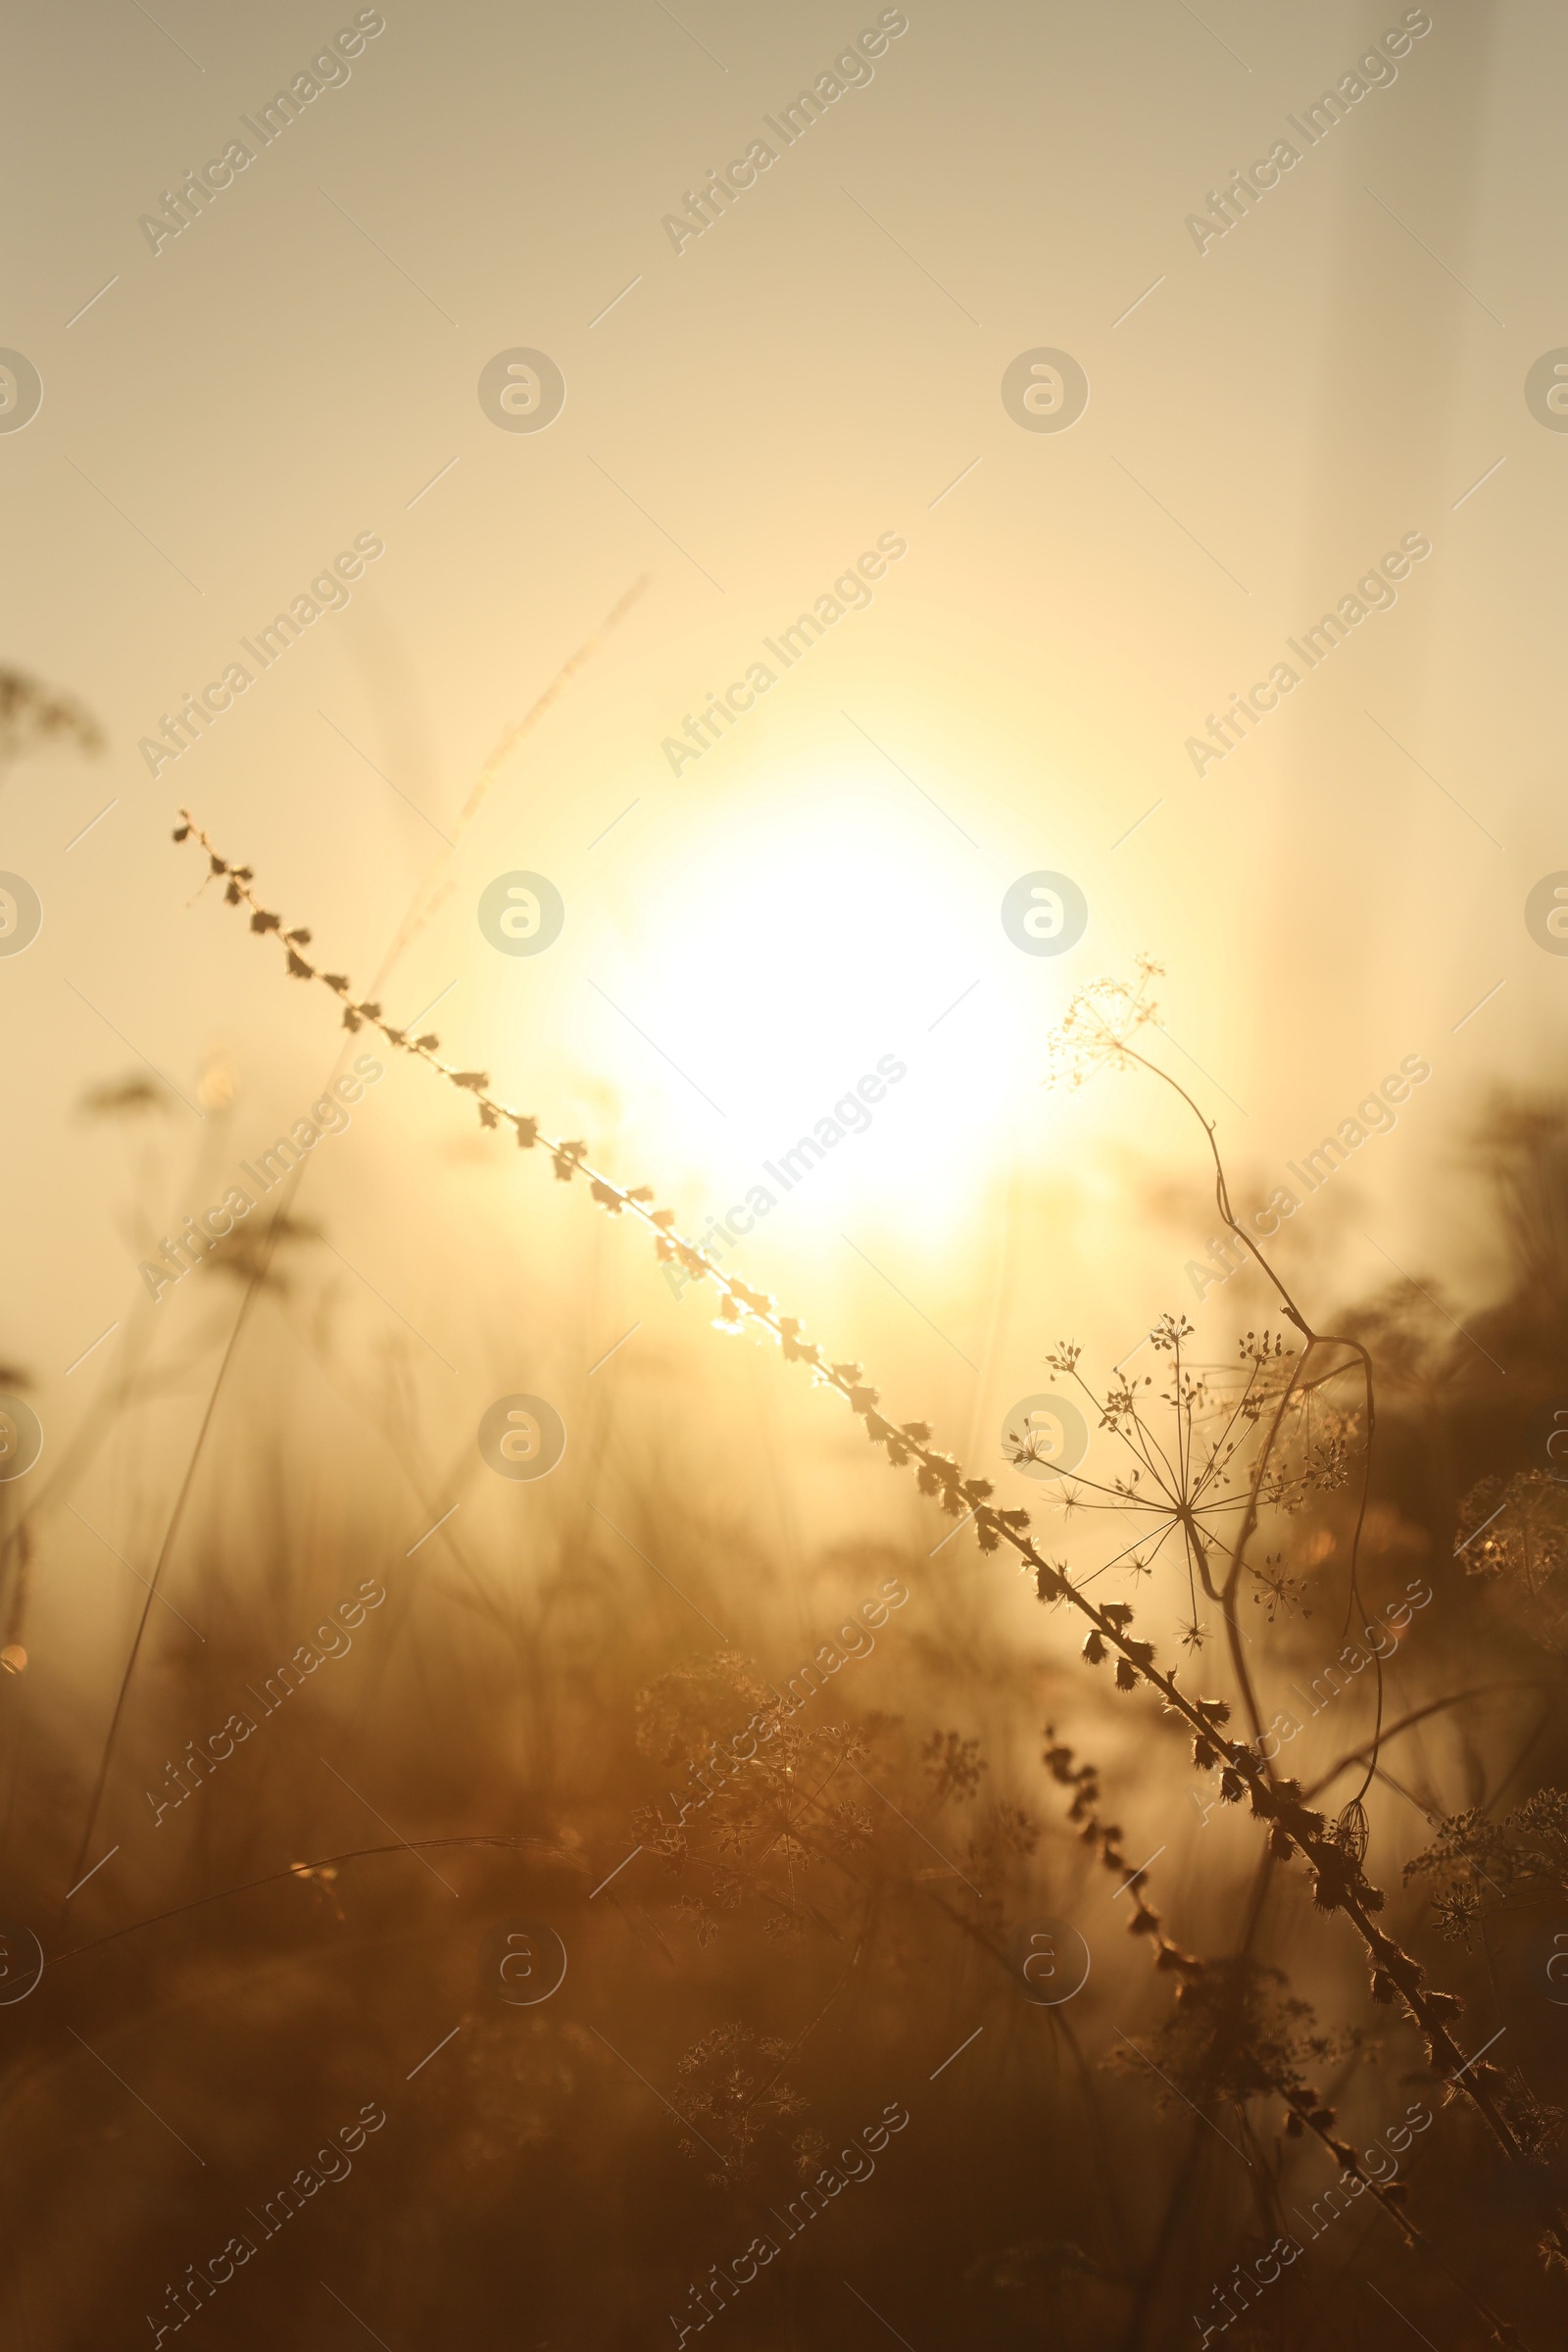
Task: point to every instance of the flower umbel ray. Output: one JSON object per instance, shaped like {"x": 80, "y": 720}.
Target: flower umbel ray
{"x": 1190, "y": 1487}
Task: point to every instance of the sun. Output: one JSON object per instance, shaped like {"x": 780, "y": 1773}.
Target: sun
{"x": 821, "y": 972}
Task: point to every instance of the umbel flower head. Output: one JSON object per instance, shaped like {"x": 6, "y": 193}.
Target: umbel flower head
{"x": 1094, "y": 1031}
{"x": 1228, "y": 1442}
{"x": 1237, "y": 2032}
{"x": 1515, "y": 1528}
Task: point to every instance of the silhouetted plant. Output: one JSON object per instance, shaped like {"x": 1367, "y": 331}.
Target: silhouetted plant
{"x": 1095, "y": 1035}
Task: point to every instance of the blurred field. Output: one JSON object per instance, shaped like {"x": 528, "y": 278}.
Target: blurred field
{"x": 310, "y": 1936}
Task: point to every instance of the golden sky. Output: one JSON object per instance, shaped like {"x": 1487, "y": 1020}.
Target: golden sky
{"x": 296, "y": 375}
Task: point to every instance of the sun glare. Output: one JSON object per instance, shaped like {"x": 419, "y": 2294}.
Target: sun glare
{"x": 845, "y": 1025}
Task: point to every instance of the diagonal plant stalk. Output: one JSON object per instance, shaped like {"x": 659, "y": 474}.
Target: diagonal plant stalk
{"x": 1339, "y": 1882}
{"x": 1306, "y": 2111}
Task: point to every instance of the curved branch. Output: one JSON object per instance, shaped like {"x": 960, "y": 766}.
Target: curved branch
{"x": 1434, "y": 1707}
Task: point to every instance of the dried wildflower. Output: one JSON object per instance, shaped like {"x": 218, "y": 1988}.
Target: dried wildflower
{"x": 848, "y": 1823}
{"x": 750, "y": 1830}
{"x": 1537, "y": 2126}
{"x": 1279, "y": 1594}
{"x": 1092, "y": 1033}
{"x": 1339, "y": 1883}
{"x": 1226, "y": 1444}
{"x": 698, "y": 1915}
{"x": 1006, "y": 1835}
{"x": 32, "y": 715}
{"x": 1455, "y": 1914}
{"x": 735, "y": 2097}
{"x": 1516, "y": 1532}
{"x": 1351, "y": 1829}
{"x": 1238, "y": 2034}
{"x": 954, "y": 1765}
{"x": 1524, "y": 1853}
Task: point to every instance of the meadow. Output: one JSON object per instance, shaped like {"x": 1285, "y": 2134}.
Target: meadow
{"x": 1174, "y": 1878}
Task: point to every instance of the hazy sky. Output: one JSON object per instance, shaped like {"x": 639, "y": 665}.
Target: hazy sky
{"x": 749, "y": 411}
